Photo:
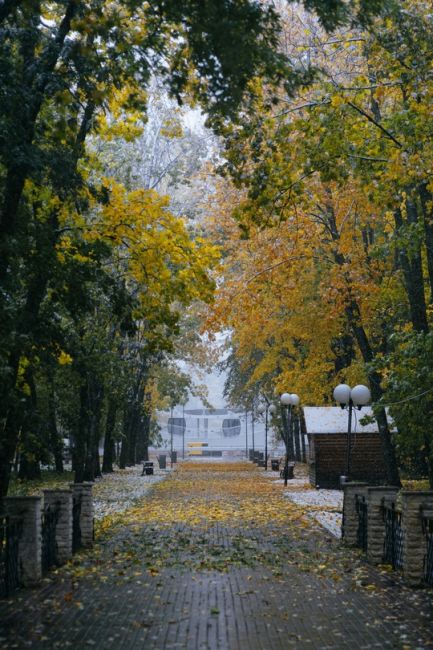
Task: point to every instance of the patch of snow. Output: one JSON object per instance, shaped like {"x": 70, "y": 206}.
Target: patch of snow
{"x": 331, "y": 498}
{"x": 117, "y": 492}
{"x": 331, "y": 517}
{"x": 330, "y": 520}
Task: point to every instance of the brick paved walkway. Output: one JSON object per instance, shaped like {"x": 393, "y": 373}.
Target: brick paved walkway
{"x": 216, "y": 558}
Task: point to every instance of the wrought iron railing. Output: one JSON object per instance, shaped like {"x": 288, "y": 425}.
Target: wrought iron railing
{"x": 362, "y": 512}
{"x": 50, "y": 517}
{"x": 393, "y": 543}
{"x": 427, "y": 526}
{"x": 10, "y": 531}
{"x": 76, "y": 528}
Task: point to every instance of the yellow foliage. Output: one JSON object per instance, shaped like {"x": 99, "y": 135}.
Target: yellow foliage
{"x": 64, "y": 358}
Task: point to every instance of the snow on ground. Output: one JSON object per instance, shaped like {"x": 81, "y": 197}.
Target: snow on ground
{"x": 324, "y": 506}
{"x": 314, "y": 500}
{"x": 329, "y": 520}
{"x": 313, "y": 497}
{"x": 120, "y": 490}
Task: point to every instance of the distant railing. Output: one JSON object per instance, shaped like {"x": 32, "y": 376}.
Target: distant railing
{"x": 361, "y": 532}
{"x": 393, "y": 543}
{"x": 427, "y": 526}
{"x": 76, "y": 527}
{"x": 50, "y": 517}
{"x": 10, "y": 529}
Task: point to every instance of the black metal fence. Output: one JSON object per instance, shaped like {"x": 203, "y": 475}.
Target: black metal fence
{"x": 427, "y": 525}
{"x": 10, "y": 530}
{"x": 76, "y": 528}
{"x": 361, "y": 532}
{"x": 393, "y": 544}
{"x": 50, "y": 517}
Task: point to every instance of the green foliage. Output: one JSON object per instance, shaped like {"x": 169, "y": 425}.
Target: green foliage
{"x": 409, "y": 377}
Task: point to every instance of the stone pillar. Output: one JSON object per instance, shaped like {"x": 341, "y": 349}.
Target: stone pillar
{"x": 62, "y": 499}
{"x": 86, "y": 517}
{"x": 28, "y": 509}
{"x": 349, "y": 528}
{"x": 376, "y": 525}
{"x": 414, "y": 541}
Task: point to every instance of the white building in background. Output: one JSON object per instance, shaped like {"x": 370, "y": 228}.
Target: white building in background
{"x": 220, "y": 429}
{"x": 222, "y": 432}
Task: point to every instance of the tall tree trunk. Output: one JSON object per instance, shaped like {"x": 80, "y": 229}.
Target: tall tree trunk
{"x": 56, "y": 442}
{"x": 353, "y": 314}
{"x": 30, "y": 439}
{"x": 391, "y": 466}
{"x": 143, "y": 439}
{"x": 426, "y": 198}
{"x": 37, "y": 76}
{"x": 25, "y": 324}
{"x": 92, "y": 467}
{"x": 133, "y": 434}
{"x": 124, "y": 449}
{"x": 303, "y": 428}
{"x": 288, "y": 438}
{"x": 110, "y": 423}
{"x": 30, "y": 313}
{"x": 79, "y": 452}
{"x": 411, "y": 266}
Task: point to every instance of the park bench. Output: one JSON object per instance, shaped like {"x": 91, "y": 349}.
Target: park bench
{"x": 147, "y": 468}
{"x": 290, "y": 470}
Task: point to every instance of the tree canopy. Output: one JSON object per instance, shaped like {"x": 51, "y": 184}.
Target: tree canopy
{"x": 326, "y": 226}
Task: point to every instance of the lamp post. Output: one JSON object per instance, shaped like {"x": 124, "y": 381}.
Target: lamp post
{"x": 252, "y": 427}
{"x": 171, "y": 437}
{"x": 183, "y": 432}
{"x": 246, "y": 433}
{"x": 266, "y": 409}
{"x": 288, "y": 400}
{"x": 358, "y": 396}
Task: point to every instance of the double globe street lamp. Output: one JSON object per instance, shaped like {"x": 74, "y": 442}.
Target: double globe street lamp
{"x": 266, "y": 408}
{"x": 357, "y": 397}
{"x": 288, "y": 400}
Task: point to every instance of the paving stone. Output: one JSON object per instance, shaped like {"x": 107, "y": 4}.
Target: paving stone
{"x": 220, "y": 585}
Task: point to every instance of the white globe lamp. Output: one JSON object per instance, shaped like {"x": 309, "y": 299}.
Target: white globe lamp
{"x": 360, "y": 395}
{"x": 342, "y": 394}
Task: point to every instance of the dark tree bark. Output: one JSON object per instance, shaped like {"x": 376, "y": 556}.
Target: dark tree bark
{"x": 426, "y": 198}
{"x": 109, "y": 451}
{"x": 142, "y": 453}
{"x": 303, "y": 428}
{"x": 56, "y": 442}
{"x": 79, "y": 452}
{"x": 391, "y": 466}
{"x": 37, "y": 77}
{"x": 43, "y": 265}
{"x": 30, "y": 457}
{"x": 95, "y": 396}
{"x": 124, "y": 448}
{"x": 411, "y": 266}
{"x": 354, "y": 320}
{"x": 296, "y": 436}
{"x": 287, "y": 431}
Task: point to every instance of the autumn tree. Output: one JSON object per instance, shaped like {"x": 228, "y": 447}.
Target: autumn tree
{"x": 331, "y": 260}
{"x": 62, "y": 66}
